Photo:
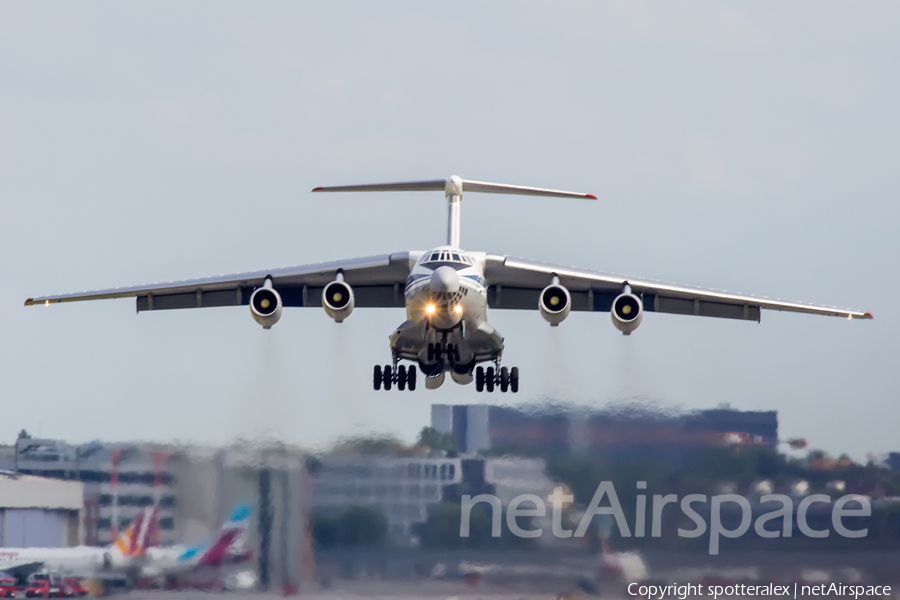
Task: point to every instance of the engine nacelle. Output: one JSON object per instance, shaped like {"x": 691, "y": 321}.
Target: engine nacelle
{"x": 337, "y": 300}
{"x": 555, "y": 303}
{"x": 265, "y": 306}
{"x": 627, "y": 312}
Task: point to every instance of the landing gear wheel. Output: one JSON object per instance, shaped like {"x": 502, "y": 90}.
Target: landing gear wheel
{"x": 504, "y": 379}
{"x": 386, "y": 379}
{"x": 411, "y": 379}
{"x": 377, "y": 377}
{"x": 434, "y": 352}
{"x": 453, "y": 353}
{"x": 401, "y": 378}
{"x": 514, "y": 380}
{"x": 489, "y": 379}
{"x": 479, "y": 379}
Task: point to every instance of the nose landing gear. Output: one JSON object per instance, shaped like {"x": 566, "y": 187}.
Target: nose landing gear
{"x": 438, "y": 350}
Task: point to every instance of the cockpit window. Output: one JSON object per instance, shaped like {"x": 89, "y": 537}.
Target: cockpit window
{"x": 445, "y": 256}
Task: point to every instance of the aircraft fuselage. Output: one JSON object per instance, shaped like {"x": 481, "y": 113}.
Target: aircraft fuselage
{"x": 446, "y": 308}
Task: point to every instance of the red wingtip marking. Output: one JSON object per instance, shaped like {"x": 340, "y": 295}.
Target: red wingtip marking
{"x": 317, "y": 189}
{"x": 28, "y": 300}
{"x": 869, "y": 315}
{"x": 591, "y": 196}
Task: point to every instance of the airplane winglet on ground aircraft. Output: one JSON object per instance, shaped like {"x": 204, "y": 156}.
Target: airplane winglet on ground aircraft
{"x": 446, "y": 292}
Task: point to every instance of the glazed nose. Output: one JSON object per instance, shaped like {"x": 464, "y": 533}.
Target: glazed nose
{"x": 445, "y": 280}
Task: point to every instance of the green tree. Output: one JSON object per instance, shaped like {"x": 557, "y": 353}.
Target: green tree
{"x": 325, "y": 528}
{"x": 24, "y": 435}
{"x": 442, "y": 528}
{"x": 362, "y": 526}
{"x": 352, "y": 526}
{"x": 434, "y": 439}
{"x": 385, "y": 445}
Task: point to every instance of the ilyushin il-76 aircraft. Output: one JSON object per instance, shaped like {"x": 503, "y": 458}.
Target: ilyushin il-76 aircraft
{"x": 446, "y": 292}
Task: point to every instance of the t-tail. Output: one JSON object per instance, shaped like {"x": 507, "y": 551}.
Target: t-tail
{"x": 453, "y": 189}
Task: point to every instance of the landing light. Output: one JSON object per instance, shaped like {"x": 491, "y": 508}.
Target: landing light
{"x": 849, "y": 317}
{"x": 429, "y": 309}
{"x": 457, "y": 309}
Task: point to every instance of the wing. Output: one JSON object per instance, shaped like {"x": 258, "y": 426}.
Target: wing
{"x": 376, "y": 280}
{"x": 516, "y": 283}
{"x": 22, "y": 569}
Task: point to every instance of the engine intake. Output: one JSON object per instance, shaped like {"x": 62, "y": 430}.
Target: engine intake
{"x": 627, "y": 312}
{"x": 555, "y": 304}
{"x": 265, "y": 305}
{"x": 338, "y": 300}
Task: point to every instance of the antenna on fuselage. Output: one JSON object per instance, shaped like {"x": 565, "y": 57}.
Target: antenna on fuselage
{"x": 453, "y": 190}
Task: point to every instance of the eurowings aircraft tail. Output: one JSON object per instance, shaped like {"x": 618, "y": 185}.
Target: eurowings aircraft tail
{"x": 228, "y": 546}
{"x": 453, "y": 189}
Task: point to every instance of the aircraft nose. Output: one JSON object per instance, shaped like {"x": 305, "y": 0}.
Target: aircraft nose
{"x": 445, "y": 280}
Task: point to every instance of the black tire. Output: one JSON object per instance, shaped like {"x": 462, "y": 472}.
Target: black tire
{"x": 489, "y": 379}
{"x": 504, "y": 379}
{"x": 479, "y": 379}
{"x": 411, "y": 379}
{"x": 377, "y": 377}
{"x": 451, "y": 355}
{"x": 401, "y": 378}
{"x": 386, "y": 379}
{"x": 514, "y": 380}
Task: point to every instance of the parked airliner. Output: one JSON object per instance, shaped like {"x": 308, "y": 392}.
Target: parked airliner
{"x": 446, "y": 292}
{"x": 85, "y": 561}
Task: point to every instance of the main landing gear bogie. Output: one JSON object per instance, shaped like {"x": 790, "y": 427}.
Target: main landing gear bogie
{"x": 387, "y": 376}
{"x": 489, "y": 379}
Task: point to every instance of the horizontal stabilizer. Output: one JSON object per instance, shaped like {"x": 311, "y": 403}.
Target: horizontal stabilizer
{"x": 406, "y": 186}
{"x": 455, "y": 185}
{"x": 521, "y": 190}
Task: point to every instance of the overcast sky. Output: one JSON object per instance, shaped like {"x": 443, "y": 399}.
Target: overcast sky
{"x": 752, "y": 147}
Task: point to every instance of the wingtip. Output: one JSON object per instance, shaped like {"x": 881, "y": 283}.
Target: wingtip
{"x": 29, "y": 301}
{"x": 869, "y": 315}
{"x": 591, "y": 196}
{"x": 318, "y": 189}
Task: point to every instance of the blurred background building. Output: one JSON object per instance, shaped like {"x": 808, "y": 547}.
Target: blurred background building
{"x": 402, "y": 488}
{"x": 35, "y": 511}
{"x": 550, "y": 430}
{"x": 119, "y": 480}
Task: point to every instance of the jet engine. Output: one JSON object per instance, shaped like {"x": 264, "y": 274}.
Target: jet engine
{"x": 627, "y": 312}
{"x": 555, "y": 303}
{"x": 337, "y": 300}
{"x": 265, "y": 305}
